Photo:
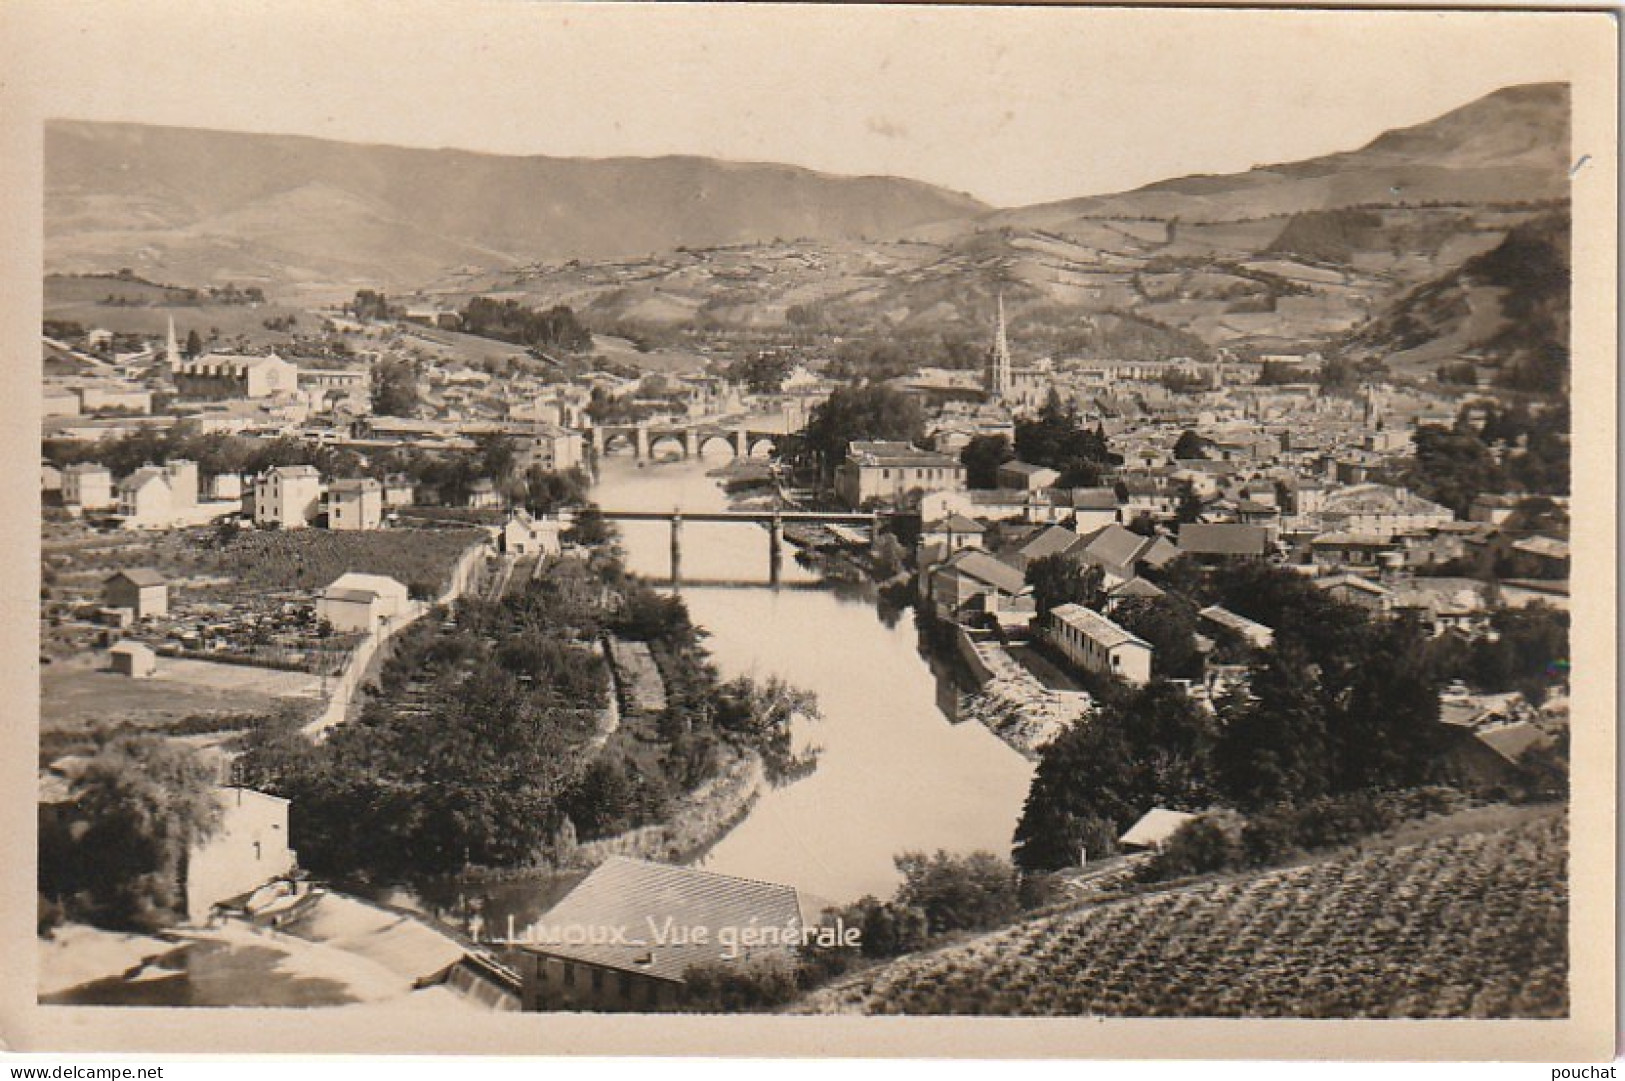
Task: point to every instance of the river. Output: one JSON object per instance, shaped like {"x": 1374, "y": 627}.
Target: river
{"x": 893, "y": 774}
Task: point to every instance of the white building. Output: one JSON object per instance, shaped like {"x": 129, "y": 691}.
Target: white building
{"x": 355, "y": 504}
{"x": 145, "y": 500}
{"x": 219, "y": 376}
{"x": 1096, "y": 644}
{"x": 133, "y": 659}
{"x": 894, "y": 472}
{"x": 226, "y": 487}
{"x": 524, "y": 535}
{"x": 362, "y": 602}
{"x": 248, "y": 849}
{"x": 88, "y": 486}
{"x": 287, "y": 496}
{"x": 183, "y": 484}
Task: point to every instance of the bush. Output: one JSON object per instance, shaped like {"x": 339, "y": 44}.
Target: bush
{"x": 738, "y": 987}
{"x": 888, "y": 928}
{"x": 959, "y": 893}
{"x": 1341, "y": 820}
{"x": 1269, "y": 839}
{"x": 1201, "y": 846}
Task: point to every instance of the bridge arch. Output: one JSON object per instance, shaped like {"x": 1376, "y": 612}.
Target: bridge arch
{"x": 619, "y": 439}
{"x": 716, "y": 445}
{"x": 762, "y": 447}
{"x": 667, "y": 444}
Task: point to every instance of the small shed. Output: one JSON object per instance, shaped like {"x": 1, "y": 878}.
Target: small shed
{"x": 361, "y": 602}
{"x": 141, "y": 589}
{"x": 134, "y": 660}
{"x": 1153, "y": 829}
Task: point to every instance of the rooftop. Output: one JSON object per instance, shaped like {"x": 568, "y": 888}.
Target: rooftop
{"x": 635, "y": 896}
{"x": 977, "y": 564}
{"x": 1222, "y": 538}
{"x": 141, "y": 576}
{"x": 1155, "y": 827}
{"x": 1095, "y": 626}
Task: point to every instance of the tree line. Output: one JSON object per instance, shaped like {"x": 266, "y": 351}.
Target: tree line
{"x": 1340, "y": 703}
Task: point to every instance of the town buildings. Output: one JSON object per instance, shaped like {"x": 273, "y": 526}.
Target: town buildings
{"x": 88, "y": 486}
{"x": 220, "y": 376}
{"x": 355, "y": 504}
{"x": 1096, "y": 644}
{"x": 895, "y": 473}
{"x": 287, "y": 496}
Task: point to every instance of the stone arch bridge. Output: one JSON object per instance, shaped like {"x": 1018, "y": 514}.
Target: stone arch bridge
{"x": 690, "y": 439}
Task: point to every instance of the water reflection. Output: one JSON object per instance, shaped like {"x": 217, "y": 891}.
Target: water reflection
{"x": 895, "y": 774}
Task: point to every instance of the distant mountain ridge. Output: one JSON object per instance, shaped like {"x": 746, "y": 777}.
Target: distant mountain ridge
{"x": 199, "y": 206}
{"x": 1511, "y": 145}
{"x": 1278, "y": 256}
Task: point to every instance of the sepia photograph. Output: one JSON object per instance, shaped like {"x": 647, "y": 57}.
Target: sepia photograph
{"x": 622, "y": 516}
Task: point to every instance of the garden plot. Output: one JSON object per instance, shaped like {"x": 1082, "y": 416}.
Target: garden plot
{"x": 82, "y": 691}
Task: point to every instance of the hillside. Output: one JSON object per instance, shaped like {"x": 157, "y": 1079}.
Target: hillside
{"x": 201, "y": 206}
{"x": 1508, "y": 146}
{"x": 1465, "y": 925}
{"x": 1287, "y": 258}
{"x": 1304, "y": 256}
{"x": 1506, "y": 309}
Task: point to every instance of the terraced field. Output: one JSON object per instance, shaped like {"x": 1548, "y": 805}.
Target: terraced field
{"x": 1467, "y": 925}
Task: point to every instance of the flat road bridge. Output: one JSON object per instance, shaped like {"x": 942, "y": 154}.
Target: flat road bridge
{"x": 772, "y": 518}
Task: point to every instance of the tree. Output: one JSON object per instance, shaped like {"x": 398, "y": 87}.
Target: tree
{"x": 148, "y": 801}
{"x": 761, "y": 372}
{"x": 1191, "y": 446}
{"x": 590, "y": 528}
{"x": 365, "y": 800}
{"x": 1201, "y": 846}
{"x": 1058, "y": 579}
{"x": 497, "y": 454}
{"x": 958, "y": 893}
{"x": 1528, "y": 651}
{"x": 858, "y": 413}
{"x": 369, "y": 304}
{"x": 1452, "y": 466}
{"x": 194, "y": 343}
{"x": 547, "y": 491}
{"x": 982, "y": 457}
{"x": 1169, "y": 624}
{"x": 1190, "y": 504}
{"x": 1383, "y": 709}
{"x": 1274, "y": 746}
{"x": 1055, "y": 439}
{"x": 394, "y": 388}
{"x": 510, "y": 321}
{"x": 1146, "y": 748}
{"x": 888, "y": 928}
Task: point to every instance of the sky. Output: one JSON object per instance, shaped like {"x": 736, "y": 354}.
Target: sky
{"x": 1013, "y": 105}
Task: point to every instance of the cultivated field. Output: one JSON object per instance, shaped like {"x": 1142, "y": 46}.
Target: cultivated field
{"x": 85, "y": 693}
{"x": 256, "y": 561}
{"x": 1473, "y": 924}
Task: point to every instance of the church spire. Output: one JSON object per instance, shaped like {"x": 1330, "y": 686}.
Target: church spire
{"x": 172, "y": 350}
{"x": 998, "y": 360}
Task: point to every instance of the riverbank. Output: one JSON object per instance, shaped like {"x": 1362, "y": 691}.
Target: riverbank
{"x": 1008, "y": 699}
{"x": 697, "y": 820}
{"x": 893, "y": 773}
